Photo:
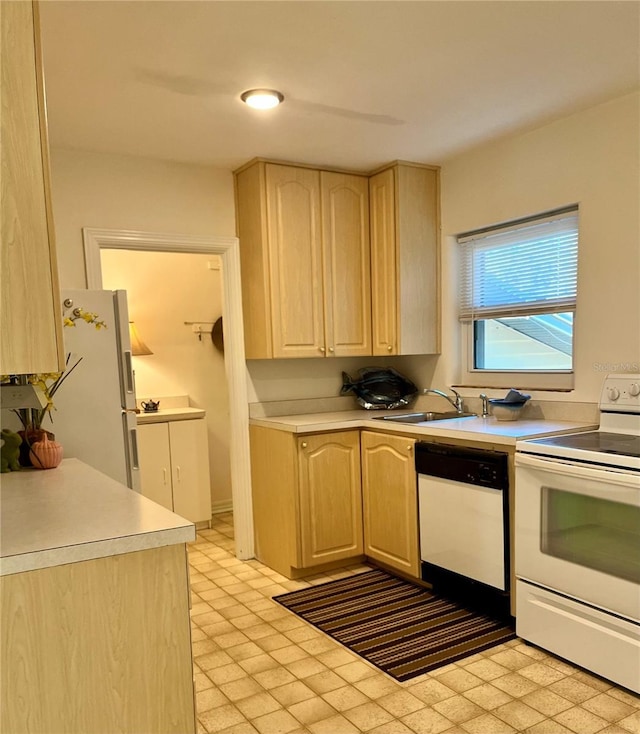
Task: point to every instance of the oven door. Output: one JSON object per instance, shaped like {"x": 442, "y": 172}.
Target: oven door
{"x": 577, "y": 531}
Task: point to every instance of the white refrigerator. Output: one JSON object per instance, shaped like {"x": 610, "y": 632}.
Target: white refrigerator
{"x": 94, "y": 417}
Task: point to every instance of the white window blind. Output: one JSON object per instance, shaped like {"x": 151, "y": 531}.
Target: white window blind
{"x": 529, "y": 267}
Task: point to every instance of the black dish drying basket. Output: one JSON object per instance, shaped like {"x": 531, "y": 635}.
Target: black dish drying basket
{"x": 380, "y": 388}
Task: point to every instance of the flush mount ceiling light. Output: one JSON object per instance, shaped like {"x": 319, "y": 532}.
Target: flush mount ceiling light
{"x": 262, "y": 99}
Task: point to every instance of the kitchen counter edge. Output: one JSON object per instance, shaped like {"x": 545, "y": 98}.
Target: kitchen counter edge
{"x": 169, "y": 414}
{"x": 487, "y": 430}
{"x": 75, "y": 513}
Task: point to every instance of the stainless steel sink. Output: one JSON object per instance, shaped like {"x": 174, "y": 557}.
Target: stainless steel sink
{"x": 423, "y": 417}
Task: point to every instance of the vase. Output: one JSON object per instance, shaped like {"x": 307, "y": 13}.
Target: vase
{"x": 45, "y": 454}
{"x": 29, "y": 437}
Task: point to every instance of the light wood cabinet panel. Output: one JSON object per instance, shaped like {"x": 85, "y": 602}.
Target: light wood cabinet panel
{"x": 295, "y": 260}
{"x": 274, "y": 487}
{"x": 174, "y": 467}
{"x": 390, "y": 501}
{"x": 347, "y": 269}
{"x": 306, "y": 499}
{"x": 330, "y": 497}
{"x": 384, "y": 301}
{"x": 99, "y": 646}
{"x": 30, "y": 313}
{"x": 405, "y": 230}
{"x": 304, "y": 252}
{"x": 251, "y": 226}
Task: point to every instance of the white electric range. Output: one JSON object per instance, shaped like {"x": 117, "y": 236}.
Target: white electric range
{"x": 577, "y": 535}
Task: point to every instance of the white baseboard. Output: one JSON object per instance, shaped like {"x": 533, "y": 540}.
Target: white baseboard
{"x": 220, "y": 506}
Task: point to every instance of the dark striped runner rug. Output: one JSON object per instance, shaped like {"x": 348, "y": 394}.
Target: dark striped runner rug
{"x": 402, "y": 628}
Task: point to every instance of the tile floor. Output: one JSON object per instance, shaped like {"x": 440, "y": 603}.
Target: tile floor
{"x": 260, "y": 669}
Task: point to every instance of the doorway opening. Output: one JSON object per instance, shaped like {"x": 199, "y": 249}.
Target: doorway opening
{"x": 227, "y": 249}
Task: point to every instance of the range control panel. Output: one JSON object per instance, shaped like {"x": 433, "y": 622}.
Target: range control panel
{"x": 621, "y": 393}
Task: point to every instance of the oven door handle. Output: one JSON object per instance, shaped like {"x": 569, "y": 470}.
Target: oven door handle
{"x": 613, "y": 475}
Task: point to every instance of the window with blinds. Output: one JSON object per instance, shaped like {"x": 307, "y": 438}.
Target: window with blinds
{"x": 518, "y": 292}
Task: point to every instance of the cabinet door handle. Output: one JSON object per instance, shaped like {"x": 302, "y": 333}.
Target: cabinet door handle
{"x": 164, "y": 475}
{"x": 322, "y": 349}
{"x": 389, "y": 348}
{"x": 331, "y": 349}
{"x": 178, "y": 473}
{"x": 304, "y": 444}
{"x": 409, "y": 448}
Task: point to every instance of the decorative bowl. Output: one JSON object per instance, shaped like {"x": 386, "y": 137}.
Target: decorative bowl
{"x": 506, "y": 411}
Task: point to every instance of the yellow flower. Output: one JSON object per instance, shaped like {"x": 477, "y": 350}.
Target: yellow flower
{"x": 87, "y": 316}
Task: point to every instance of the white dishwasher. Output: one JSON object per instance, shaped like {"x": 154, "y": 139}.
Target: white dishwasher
{"x": 464, "y": 522}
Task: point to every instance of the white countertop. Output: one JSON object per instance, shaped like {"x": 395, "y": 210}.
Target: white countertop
{"x": 170, "y": 414}
{"x": 75, "y": 513}
{"x": 488, "y": 430}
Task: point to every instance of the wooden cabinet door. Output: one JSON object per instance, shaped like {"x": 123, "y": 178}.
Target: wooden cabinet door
{"x": 347, "y": 279}
{"x": 384, "y": 277}
{"x": 390, "y": 501}
{"x": 30, "y": 313}
{"x": 417, "y": 259}
{"x": 190, "y": 469}
{"x": 155, "y": 463}
{"x": 295, "y": 261}
{"x": 330, "y": 497}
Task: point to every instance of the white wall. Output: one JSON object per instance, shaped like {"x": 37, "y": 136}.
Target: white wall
{"x": 123, "y": 192}
{"x": 165, "y": 289}
{"x": 591, "y": 158}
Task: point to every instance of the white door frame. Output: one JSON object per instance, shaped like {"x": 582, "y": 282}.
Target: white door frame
{"x": 228, "y": 249}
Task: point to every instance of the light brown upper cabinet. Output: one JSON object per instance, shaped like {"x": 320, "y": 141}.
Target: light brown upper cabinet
{"x": 30, "y": 314}
{"x": 304, "y": 252}
{"x": 404, "y": 201}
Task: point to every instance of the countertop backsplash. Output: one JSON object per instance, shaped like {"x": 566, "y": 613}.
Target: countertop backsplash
{"x": 534, "y": 409}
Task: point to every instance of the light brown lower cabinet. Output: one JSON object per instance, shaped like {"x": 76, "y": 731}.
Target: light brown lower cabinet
{"x": 330, "y": 497}
{"x": 99, "y": 646}
{"x": 390, "y": 501}
{"x": 307, "y": 498}
{"x": 322, "y": 498}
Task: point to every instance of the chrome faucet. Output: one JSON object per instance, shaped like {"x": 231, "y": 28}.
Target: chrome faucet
{"x": 485, "y": 405}
{"x": 457, "y": 403}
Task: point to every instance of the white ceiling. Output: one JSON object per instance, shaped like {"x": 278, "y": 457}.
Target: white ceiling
{"x": 364, "y": 82}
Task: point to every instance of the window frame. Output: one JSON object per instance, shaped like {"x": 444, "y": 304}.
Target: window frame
{"x": 531, "y": 379}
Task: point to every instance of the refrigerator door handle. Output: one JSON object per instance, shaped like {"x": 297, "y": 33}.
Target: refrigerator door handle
{"x": 127, "y": 376}
{"x": 135, "y": 463}
{"x": 129, "y": 372}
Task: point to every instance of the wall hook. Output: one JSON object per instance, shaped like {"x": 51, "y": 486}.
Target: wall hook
{"x": 200, "y": 327}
